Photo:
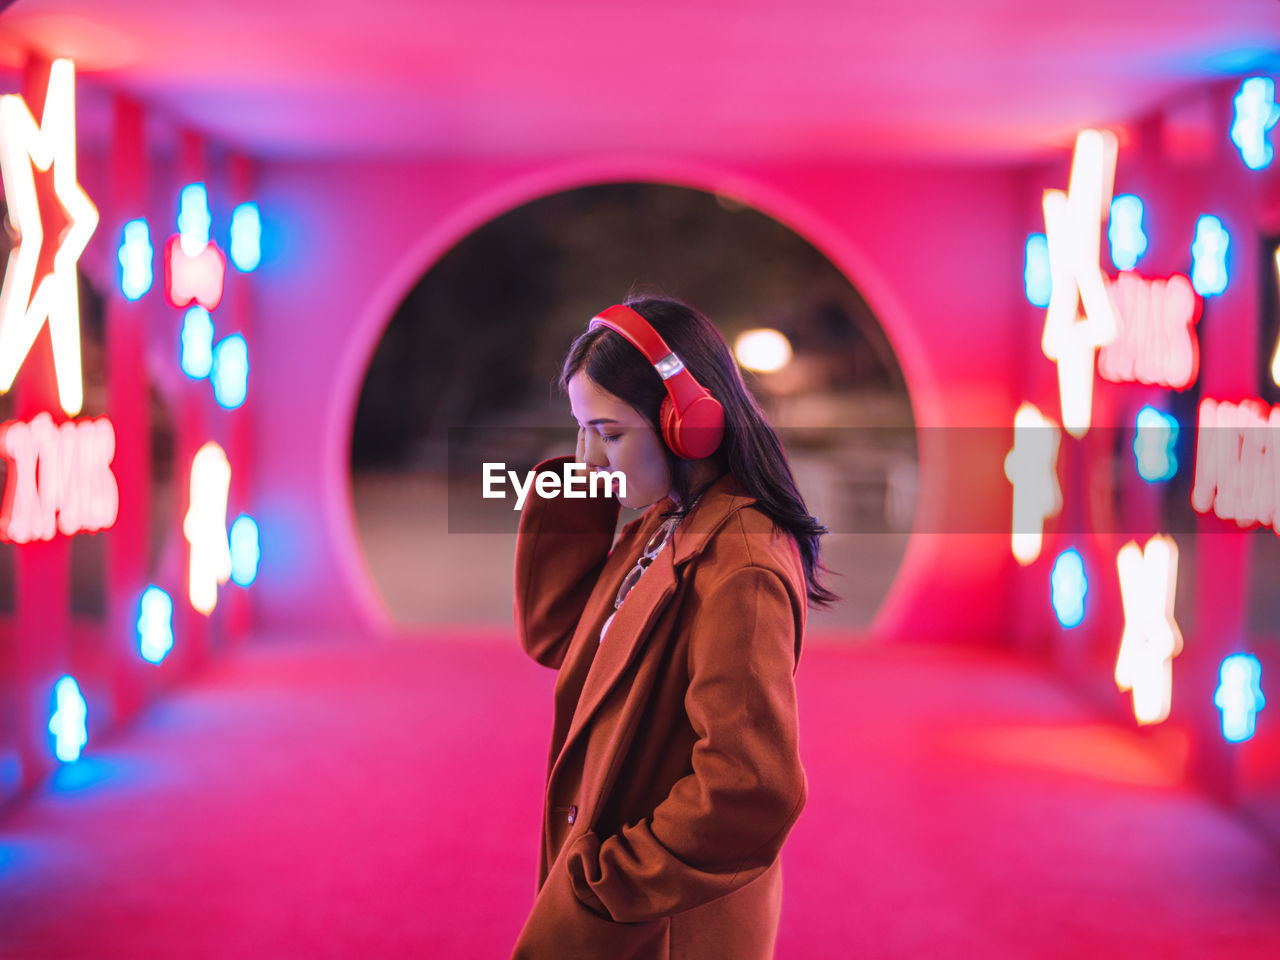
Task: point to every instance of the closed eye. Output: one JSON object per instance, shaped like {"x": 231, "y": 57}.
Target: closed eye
{"x": 608, "y": 439}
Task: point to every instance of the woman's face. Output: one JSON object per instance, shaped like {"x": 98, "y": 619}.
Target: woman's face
{"x": 622, "y": 441}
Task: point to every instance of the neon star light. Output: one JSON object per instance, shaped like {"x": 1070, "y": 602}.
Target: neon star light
{"x": 230, "y": 371}
{"x": 194, "y": 267}
{"x": 1239, "y": 696}
{"x": 1256, "y": 114}
{"x": 246, "y": 237}
{"x": 1156, "y": 340}
{"x": 1073, "y": 226}
{"x": 1035, "y": 275}
{"x": 1032, "y": 467}
{"x": 135, "y": 256}
{"x": 197, "y": 343}
{"x": 155, "y": 625}
{"x": 1151, "y": 639}
{"x": 1238, "y": 461}
{"x": 1153, "y": 445}
{"x": 58, "y": 478}
{"x": 68, "y": 721}
{"x": 1128, "y": 242}
{"x": 1069, "y": 587}
{"x": 40, "y": 287}
{"x": 244, "y": 550}
{"x": 1209, "y": 257}
{"x": 205, "y": 527}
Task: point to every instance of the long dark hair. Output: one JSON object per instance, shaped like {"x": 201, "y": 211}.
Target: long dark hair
{"x": 751, "y": 450}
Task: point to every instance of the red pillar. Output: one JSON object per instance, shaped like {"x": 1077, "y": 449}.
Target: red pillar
{"x": 130, "y": 410}
{"x": 238, "y": 308}
{"x": 193, "y": 631}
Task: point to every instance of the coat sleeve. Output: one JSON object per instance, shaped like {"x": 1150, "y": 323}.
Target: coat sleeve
{"x": 561, "y": 547}
{"x": 722, "y": 825}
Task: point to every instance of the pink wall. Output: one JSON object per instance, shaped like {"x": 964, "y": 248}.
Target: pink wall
{"x": 934, "y": 251}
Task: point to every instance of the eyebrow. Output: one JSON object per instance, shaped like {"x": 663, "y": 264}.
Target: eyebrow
{"x": 592, "y": 423}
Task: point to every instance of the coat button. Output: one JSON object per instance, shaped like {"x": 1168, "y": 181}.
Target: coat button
{"x": 573, "y": 813}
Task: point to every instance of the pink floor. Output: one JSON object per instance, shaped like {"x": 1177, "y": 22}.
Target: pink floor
{"x": 382, "y": 799}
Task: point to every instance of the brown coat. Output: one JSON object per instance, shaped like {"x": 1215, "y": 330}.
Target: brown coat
{"x": 674, "y": 773}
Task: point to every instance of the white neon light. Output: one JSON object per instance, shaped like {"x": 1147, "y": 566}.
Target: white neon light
{"x": 1209, "y": 257}
{"x": 1239, "y": 696}
{"x": 197, "y": 343}
{"x": 205, "y": 527}
{"x": 1256, "y": 113}
{"x": 231, "y": 371}
{"x": 55, "y": 297}
{"x": 155, "y": 625}
{"x": 1237, "y": 455}
{"x": 1151, "y": 639}
{"x": 58, "y": 478}
{"x": 1156, "y": 340}
{"x": 763, "y": 349}
{"x": 246, "y": 237}
{"x": 1275, "y": 357}
{"x": 1153, "y": 445}
{"x": 1032, "y": 467}
{"x": 68, "y": 723}
{"x": 1073, "y": 225}
{"x": 136, "y": 254}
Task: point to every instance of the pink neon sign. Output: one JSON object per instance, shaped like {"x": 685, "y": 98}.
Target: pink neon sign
{"x": 1155, "y": 332}
{"x": 1238, "y": 461}
{"x": 193, "y": 279}
{"x": 59, "y": 478}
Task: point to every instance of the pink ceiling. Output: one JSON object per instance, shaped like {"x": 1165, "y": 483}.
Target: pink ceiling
{"x": 991, "y": 80}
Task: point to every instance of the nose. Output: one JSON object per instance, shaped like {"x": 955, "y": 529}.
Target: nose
{"x": 593, "y": 453}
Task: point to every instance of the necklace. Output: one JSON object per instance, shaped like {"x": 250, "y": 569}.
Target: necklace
{"x": 652, "y": 548}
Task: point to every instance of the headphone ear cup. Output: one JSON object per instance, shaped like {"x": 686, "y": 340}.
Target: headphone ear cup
{"x": 670, "y": 429}
{"x": 703, "y": 421}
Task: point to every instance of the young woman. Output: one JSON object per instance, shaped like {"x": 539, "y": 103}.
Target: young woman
{"x": 674, "y": 774}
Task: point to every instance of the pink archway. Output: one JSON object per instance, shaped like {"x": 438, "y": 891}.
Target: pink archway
{"x": 802, "y": 218}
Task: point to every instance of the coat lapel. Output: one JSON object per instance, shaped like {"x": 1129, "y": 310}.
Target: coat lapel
{"x": 632, "y": 625}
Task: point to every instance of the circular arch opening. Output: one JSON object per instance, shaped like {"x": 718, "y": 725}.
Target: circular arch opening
{"x": 476, "y": 342}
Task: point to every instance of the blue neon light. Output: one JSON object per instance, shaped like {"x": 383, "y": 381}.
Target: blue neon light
{"x": 155, "y": 625}
{"x": 1256, "y": 113}
{"x": 1239, "y": 696}
{"x": 197, "y": 343}
{"x": 136, "y": 254}
{"x": 68, "y": 721}
{"x": 1069, "y": 587}
{"x": 231, "y": 371}
{"x": 246, "y": 237}
{"x": 1209, "y": 257}
{"x": 1035, "y": 277}
{"x": 1153, "y": 445}
{"x": 1128, "y": 242}
{"x": 244, "y": 550}
{"x": 194, "y": 220}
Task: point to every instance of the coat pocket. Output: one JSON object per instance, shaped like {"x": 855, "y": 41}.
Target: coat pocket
{"x": 561, "y": 927}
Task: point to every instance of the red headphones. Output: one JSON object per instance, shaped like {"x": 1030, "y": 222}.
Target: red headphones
{"x": 692, "y": 419}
